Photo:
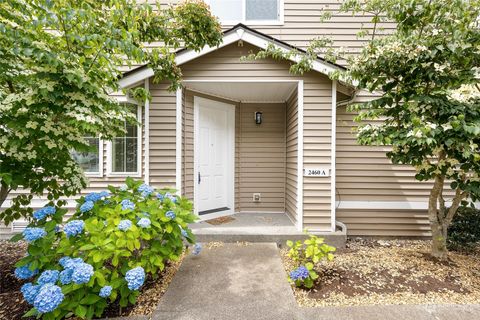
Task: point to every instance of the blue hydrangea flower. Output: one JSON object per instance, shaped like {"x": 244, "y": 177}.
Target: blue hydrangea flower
{"x": 82, "y": 273}
{"x": 170, "y": 215}
{"x": 44, "y": 212}
{"x": 160, "y": 196}
{"x": 31, "y": 234}
{"x": 123, "y": 187}
{"x": 48, "y": 276}
{"x": 73, "y": 228}
{"x": 145, "y": 190}
{"x": 30, "y": 291}
{"x": 172, "y": 198}
{"x": 127, "y": 204}
{"x": 48, "y": 298}
{"x": 144, "y": 223}
{"x": 197, "y": 248}
{"x": 69, "y": 263}
{"x": 301, "y": 273}
{"x": 105, "y": 292}
{"x": 93, "y": 197}
{"x": 24, "y": 272}
{"x": 66, "y": 276}
{"x": 124, "y": 225}
{"x": 184, "y": 233}
{"x": 135, "y": 278}
{"x": 86, "y": 206}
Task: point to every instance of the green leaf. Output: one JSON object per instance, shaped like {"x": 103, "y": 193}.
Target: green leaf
{"x": 80, "y": 311}
{"x": 16, "y": 237}
{"x": 90, "y": 299}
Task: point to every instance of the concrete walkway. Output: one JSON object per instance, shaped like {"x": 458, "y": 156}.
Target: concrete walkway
{"x": 230, "y": 282}
{"x": 248, "y": 282}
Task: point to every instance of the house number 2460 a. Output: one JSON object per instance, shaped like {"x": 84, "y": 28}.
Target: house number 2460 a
{"x": 316, "y": 172}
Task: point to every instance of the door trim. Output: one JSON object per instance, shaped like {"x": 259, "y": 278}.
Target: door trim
{"x": 230, "y": 181}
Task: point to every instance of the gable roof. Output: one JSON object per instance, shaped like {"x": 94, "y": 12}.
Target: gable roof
{"x": 237, "y": 33}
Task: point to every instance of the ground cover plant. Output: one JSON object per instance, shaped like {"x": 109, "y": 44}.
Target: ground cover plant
{"x": 104, "y": 252}
{"x": 305, "y": 254}
{"x": 380, "y": 272}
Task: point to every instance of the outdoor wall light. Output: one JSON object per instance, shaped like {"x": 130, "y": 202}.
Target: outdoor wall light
{"x": 258, "y": 117}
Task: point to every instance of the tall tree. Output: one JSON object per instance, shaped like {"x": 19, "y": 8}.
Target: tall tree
{"x": 59, "y": 61}
{"x": 426, "y": 78}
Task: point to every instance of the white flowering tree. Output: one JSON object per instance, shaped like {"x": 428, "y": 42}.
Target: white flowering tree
{"x": 59, "y": 60}
{"x": 426, "y": 77}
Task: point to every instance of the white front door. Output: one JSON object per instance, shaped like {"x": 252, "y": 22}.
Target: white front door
{"x": 214, "y": 156}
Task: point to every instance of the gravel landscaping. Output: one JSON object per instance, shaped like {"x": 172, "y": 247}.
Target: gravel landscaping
{"x": 12, "y": 305}
{"x": 372, "y": 272}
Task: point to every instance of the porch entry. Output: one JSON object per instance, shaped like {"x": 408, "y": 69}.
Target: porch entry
{"x": 214, "y": 145}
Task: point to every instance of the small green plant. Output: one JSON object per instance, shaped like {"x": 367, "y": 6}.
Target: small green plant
{"x": 464, "y": 232}
{"x": 305, "y": 255}
{"x": 104, "y": 252}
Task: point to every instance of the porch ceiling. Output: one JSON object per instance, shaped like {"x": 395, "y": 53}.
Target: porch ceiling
{"x": 246, "y": 91}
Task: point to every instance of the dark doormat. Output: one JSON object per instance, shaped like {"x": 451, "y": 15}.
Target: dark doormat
{"x": 220, "y": 220}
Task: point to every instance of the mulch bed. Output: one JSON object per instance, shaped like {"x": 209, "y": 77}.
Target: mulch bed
{"x": 370, "y": 272}
{"x": 12, "y": 305}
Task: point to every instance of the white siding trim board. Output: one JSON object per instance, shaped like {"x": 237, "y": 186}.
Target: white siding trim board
{"x": 147, "y": 134}
{"x": 178, "y": 147}
{"x": 333, "y": 156}
{"x": 300, "y": 157}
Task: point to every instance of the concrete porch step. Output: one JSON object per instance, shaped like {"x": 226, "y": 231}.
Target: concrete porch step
{"x": 259, "y": 227}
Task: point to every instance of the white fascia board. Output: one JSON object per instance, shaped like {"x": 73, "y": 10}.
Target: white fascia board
{"x": 135, "y": 77}
{"x": 262, "y": 43}
{"x": 239, "y": 34}
{"x": 189, "y": 55}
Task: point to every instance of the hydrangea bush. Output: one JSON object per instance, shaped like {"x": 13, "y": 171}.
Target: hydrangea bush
{"x": 305, "y": 255}
{"x": 104, "y": 252}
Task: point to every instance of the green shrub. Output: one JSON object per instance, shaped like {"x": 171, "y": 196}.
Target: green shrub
{"x": 464, "y": 232}
{"x": 305, "y": 255}
{"x": 105, "y": 250}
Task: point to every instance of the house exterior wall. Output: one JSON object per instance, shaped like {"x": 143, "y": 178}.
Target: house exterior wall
{"x": 291, "y": 144}
{"x": 364, "y": 173}
{"x": 225, "y": 64}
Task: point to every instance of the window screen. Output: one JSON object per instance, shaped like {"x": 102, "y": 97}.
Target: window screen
{"x": 262, "y": 10}
{"x": 89, "y": 161}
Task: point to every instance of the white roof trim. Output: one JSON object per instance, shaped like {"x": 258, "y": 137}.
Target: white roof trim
{"x": 231, "y": 37}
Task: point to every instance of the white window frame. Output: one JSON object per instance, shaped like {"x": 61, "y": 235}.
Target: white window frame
{"x": 138, "y": 173}
{"x": 279, "y": 22}
{"x": 99, "y": 173}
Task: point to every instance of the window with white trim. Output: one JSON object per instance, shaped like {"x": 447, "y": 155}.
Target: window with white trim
{"x": 124, "y": 152}
{"x": 90, "y": 161}
{"x": 248, "y": 11}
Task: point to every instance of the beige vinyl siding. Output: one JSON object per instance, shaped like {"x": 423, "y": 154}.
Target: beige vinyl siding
{"x": 262, "y": 157}
{"x": 162, "y": 136}
{"x": 385, "y": 223}
{"x": 364, "y": 173}
{"x": 225, "y": 64}
{"x": 291, "y": 143}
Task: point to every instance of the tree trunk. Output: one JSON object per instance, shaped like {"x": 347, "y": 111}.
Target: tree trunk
{"x": 439, "y": 237}
{"x": 4, "y": 191}
{"x": 439, "y": 241}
